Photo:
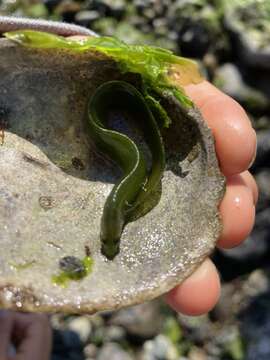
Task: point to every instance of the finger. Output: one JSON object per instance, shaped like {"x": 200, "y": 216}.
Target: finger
{"x": 5, "y": 332}
{"x": 237, "y": 211}
{"x": 199, "y": 293}
{"x": 234, "y": 136}
{"x": 251, "y": 183}
{"x": 36, "y": 336}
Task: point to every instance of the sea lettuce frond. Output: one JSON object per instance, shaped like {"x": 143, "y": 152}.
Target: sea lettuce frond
{"x": 161, "y": 71}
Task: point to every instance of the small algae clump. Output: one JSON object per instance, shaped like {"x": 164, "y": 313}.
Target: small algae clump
{"x": 72, "y": 268}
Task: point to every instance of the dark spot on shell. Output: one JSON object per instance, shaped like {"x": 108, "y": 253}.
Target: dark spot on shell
{"x": 77, "y": 164}
{"x": 71, "y": 265}
{"x": 178, "y": 169}
{"x": 46, "y": 202}
{"x": 87, "y": 250}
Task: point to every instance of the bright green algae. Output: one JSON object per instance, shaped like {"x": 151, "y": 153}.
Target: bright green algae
{"x": 152, "y": 63}
{"x": 64, "y": 277}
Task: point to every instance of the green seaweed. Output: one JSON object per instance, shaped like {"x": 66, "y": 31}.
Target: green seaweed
{"x": 64, "y": 277}
{"x": 154, "y": 64}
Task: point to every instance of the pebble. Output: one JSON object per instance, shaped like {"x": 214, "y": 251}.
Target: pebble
{"x": 158, "y": 349}
{"x": 197, "y": 354}
{"x": 144, "y": 321}
{"x": 229, "y": 79}
{"x": 70, "y": 340}
{"x": 256, "y": 284}
{"x": 225, "y": 308}
{"x": 250, "y": 38}
{"x": 255, "y": 328}
{"x": 99, "y": 5}
{"x": 117, "y": 9}
{"x": 67, "y": 9}
{"x": 81, "y": 325}
{"x": 67, "y": 345}
{"x": 199, "y": 328}
{"x": 90, "y": 351}
{"x": 86, "y": 17}
{"x": 113, "y": 351}
{"x": 51, "y": 4}
{"x": 114, "y": 333}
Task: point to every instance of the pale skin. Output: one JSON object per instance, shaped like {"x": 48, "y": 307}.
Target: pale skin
{"x": 236, "y": 149}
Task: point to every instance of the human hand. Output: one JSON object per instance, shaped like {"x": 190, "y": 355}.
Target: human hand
{"x": 30, "y": 333}
{"x": 235, "y": 142}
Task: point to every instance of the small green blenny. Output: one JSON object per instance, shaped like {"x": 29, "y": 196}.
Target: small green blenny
{"x": 162, "y": 73}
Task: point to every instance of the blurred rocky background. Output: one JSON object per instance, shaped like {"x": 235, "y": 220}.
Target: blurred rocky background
{"x": 231, "y": 40}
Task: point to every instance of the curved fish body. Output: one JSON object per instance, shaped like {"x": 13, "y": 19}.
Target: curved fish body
{"x": 136, "y": 183}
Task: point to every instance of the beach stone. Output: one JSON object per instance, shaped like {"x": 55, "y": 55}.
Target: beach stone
{"x": 248, "y": 25}
{"x": 229, "y": 79}
{"x": 86, "y": 17}
{"x": 144, "y": 321}
{"x": 90, "y": 351}
{"x": 255, "y": 327}
{"x": 159, "y": 348}
{"x": 114, "y": 333}
{"x": 82, "y": 326}
{"x": 113, "y": 351}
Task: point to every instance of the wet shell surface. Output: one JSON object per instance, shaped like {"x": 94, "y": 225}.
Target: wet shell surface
{"x": 53, "y": 186}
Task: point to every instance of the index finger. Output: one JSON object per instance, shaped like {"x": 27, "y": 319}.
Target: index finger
{"x": 234, "y": 136}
